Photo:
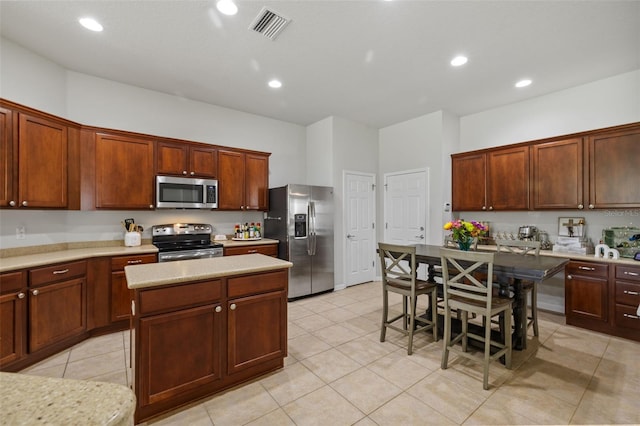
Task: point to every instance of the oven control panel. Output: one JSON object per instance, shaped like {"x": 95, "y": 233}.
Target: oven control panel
{"x": 181, "y": 228}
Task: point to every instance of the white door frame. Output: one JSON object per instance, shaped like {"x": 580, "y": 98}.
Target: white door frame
{"x": 345, "y": 216}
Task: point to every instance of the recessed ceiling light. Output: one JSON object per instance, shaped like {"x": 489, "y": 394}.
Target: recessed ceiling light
{"x": 227, "y": 7}
{"x": 523, "y": 83}
{"x": 275, "y": 84}
{"x": 90, "y": 24}
{"x": 459, "y": 60}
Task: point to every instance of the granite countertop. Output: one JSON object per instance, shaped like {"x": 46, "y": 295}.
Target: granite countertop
{"x": 58, "y": 256}
{"x": 34, "y": 400}
{"x": 573, "y": 256}
{"x": 156, "y": 274}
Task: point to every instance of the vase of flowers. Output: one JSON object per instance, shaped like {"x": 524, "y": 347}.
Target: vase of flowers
{"x": 464, "y": 232}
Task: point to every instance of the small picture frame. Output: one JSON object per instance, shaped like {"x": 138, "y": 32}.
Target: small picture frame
{"x": 571, "y": 226}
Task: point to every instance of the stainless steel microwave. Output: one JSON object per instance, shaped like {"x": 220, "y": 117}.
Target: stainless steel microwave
{"x": 186, "y": 193}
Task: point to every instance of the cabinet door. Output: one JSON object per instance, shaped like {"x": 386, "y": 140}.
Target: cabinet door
{"x": 614, "y": 171}
{"x": 256, "y": 191}
{"x": 56, "y": 312}
{"x": 42, "y": 163}
{"x": 179, "y": 351}
{"x": 121, "y": 296}
{"x": 172, "y": 158}
{"x": 468, "y": 180}
{"x": 586, "y": 293}
{"x": 12, "y": 326}
{"x": 557, "y": 175}
{"x": 7, "y": 178}
{"x": 256, "y": 330}
{"x": 508, "y": 179}
{"x": 203, "y": 162}
{"x": 231, "y": 181}
{"x": 124, "y": 172}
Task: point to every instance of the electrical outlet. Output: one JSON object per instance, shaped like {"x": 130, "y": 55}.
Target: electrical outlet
{"x": 21, "y": 233}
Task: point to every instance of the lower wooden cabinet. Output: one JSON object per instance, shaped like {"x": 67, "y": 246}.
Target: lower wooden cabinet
{"x": 197, "y": 338}
{"x": 586, "y": 294}
{"x": 13, "y": 321}
{"x": 121, "y": 296}
{"x": 266, "y": 249}
{"x": 57, "y": 304}
{"x": 627, "y": 301}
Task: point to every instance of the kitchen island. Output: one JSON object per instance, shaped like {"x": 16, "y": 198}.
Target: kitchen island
{"x": 202, "y": 326}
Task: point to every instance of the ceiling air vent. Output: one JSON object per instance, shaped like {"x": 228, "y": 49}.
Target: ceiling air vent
{"x": 269, "y": 23}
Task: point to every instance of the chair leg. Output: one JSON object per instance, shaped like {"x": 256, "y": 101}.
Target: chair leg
{"x": 508, "y": 341}
{"x": 446, "y": 339}
{"x": 404, "y": 312}
{"x": 487, "y": 355}
{"x": 465, "y": 328}
{"x": 434, "y": 315}
{"x": 385, "y": 314}
{"x": 412, "y": 318}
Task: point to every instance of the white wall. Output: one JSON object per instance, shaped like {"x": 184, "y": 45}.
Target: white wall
{"x": 319, "y": 153}
{"x": 36, "y": 82}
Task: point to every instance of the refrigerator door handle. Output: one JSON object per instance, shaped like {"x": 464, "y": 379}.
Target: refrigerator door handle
{"x": 312, "y": 223}
{"x": 309, "y": 246}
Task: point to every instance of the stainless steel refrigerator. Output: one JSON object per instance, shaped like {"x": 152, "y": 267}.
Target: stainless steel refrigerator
{"x": 301, "y": 218}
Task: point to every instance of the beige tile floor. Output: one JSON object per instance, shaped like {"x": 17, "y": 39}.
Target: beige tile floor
{"x": 339, "y": 373}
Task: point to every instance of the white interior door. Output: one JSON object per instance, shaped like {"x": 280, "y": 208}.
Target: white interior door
{"x": 405, "y": 207}
{"x": 359, "y": 227}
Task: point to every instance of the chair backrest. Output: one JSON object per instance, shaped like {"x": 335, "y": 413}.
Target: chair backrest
{"x": 460, "y": 270}
{"x": 394, "y": 269}
{"x": 519, "y": 247}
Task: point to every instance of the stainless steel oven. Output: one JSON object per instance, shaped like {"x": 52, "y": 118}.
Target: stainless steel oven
{"x": 183, "y": 241}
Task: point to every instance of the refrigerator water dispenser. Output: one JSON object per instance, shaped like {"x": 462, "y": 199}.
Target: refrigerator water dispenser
{"x": 300, "y": 226}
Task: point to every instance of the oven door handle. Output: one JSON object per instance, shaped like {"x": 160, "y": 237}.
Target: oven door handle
{"x": 185, "y": 255}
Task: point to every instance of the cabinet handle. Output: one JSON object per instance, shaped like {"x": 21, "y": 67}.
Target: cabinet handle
{"x": 252, "y": 251}
{"x": 218, "y": 308}
{"x": 184, "y": 172}
{"x": 25, "y": 204}
{"x": 580, "y": 206}
{"x": 35, "y": 292}
{"x": 192, "y": 173}
{"x": 490, "y": 207}
{"x": 569, "y": 277}
{"x": 61, "y": 271}
{"x": 591, "y": 206}
{"x": 586, "y": 268}
{"x": 232, "y": 307}
{"x": 633, "y": 274}
{"x": 12, "y": 203}
{"x": 133, "y": 262}
{"x": 484, "y": 207}
{"x": 633, "y": 293}
{"x": 21, "y": 295}
{"x": 151, "y": 206}
{"x": 630, "y": 316}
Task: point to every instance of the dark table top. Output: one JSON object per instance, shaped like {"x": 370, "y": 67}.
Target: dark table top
{"x": 508, "y": 265}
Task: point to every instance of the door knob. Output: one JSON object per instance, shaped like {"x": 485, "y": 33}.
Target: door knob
{"x": 421, "y": 236}
{"x": 350, "y": 236}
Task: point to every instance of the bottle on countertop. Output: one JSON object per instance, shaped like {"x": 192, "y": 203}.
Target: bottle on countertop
{"x": 246, "y": 231}
{"x": 258, "y": 232}
{"x": 252, "y": 230}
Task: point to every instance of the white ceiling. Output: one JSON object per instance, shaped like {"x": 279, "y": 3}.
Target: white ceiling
{"x": 372, "y": 61}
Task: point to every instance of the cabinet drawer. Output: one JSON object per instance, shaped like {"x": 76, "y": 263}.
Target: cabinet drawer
{"x": 118, "y": 263}
{"x": 628, "y": 273}
{"x": 628, "y": 294}
{"x": 590, "y": 269}
{"x": 55, "y": 273}
{"x": 626, "y": 316}
{"x": 258, "y": 283}
{"x": 266, "y": 249}
{"x": 163, "y": 299}
{"x": 12, "y": 281}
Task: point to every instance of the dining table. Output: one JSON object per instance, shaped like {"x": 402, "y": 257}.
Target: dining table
{"x": 510, "y": 270}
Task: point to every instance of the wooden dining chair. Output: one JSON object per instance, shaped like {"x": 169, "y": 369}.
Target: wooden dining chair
{"x": 399, "y": 275}
{"x": 529, "y": 287}
{"x": 465, "y": 293}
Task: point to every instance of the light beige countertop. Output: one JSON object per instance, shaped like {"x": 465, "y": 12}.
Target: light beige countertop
{"x": 34, "y": 400}
{"x": 238, "y": 243}
{"x": 58, "y": 256}
{"x": 572, "y": 256}
{"x": 156, "y": 274}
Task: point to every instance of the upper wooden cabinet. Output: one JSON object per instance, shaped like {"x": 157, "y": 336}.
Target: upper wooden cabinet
{"x": 494, "y": 180}
{"x": 243, "y": 180}
{"x": 184, "y": 159}
{"x": 614, "y": 169}
{"x": 40, "y": 167}
{"x": 124, "y": 177}
{"x": 557, "y": 175}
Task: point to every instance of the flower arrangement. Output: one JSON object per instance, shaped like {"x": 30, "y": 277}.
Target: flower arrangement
{"x": 464, "y": 232}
